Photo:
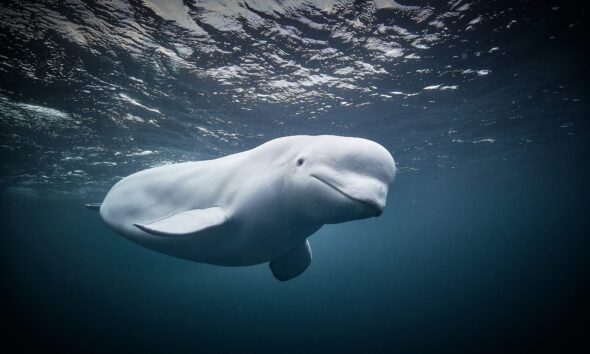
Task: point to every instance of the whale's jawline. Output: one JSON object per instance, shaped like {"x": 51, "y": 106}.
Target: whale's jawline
{"x": 368, "y": 204}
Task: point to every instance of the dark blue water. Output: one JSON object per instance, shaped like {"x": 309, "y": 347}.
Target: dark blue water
{"x": 483, "y": 247}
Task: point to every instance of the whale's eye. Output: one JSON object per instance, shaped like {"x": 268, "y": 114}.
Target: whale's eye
{"x": 300, "y": 162}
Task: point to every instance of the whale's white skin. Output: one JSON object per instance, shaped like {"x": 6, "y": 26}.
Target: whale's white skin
{"x": 256, "y": 206}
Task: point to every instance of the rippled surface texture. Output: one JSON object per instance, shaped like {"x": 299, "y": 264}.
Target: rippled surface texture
{"x": 484, "y": 105}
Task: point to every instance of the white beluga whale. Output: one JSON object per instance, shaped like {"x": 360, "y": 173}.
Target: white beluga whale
{"x": 253, "y": 207}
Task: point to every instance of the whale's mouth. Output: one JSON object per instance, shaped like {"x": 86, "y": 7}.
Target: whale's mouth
{"x": 373, "y": 206}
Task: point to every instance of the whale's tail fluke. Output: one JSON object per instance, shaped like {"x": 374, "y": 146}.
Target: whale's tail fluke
{"x": 93, "y": 206}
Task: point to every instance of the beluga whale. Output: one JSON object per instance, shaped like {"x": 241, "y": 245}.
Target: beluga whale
{"x": 255, "y": 206}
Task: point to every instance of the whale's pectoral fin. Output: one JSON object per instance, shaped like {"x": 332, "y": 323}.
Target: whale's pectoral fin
{"x": 292, "y": 263}
{"x": 186, "y": 222}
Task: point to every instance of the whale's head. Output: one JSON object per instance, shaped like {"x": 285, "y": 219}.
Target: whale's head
{"x": 334, "y": 179}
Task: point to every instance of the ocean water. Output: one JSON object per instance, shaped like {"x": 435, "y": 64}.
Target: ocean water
{"x": 483, "y": 246}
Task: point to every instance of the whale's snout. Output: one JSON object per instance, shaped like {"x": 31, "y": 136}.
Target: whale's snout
{"x": 374, "y": 200}
{"x": 344, "y": 178}
{"x": 370, "y": 193}
{"x": 375, "y": 207}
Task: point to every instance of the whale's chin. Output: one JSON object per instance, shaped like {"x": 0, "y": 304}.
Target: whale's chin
{"x": 352, "y": 215}
{"x": 369, "y": 208}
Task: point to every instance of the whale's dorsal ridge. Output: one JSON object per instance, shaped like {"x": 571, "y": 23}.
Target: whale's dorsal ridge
{"x": 186, "y": 222}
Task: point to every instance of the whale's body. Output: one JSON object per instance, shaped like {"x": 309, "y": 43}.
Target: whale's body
{"x": 255, "y": 206}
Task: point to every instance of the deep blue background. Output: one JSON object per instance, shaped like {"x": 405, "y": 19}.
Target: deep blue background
{"x": 453, "y": 265}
